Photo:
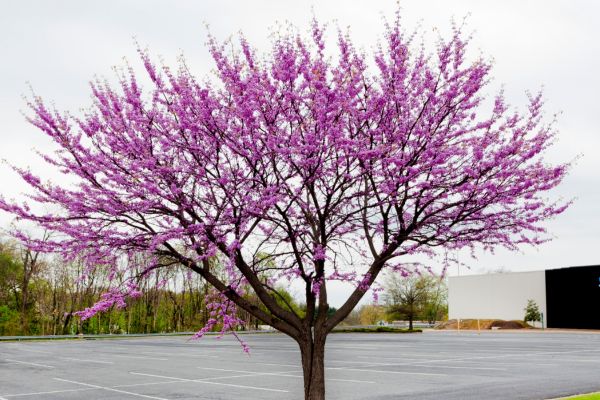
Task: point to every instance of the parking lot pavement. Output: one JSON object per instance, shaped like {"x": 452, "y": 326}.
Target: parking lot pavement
{"x": 432, "y": 365}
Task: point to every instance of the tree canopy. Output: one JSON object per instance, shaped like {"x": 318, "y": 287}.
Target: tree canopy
{"x": 335, "y": 167}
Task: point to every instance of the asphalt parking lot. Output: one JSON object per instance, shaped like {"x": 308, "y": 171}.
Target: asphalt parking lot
{"x": 432, "y": 365}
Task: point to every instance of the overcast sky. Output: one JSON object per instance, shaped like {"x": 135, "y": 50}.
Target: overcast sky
{"x": 58, "y": 46}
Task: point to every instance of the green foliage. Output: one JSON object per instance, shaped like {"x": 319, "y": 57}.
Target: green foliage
{"x": 43, "y": 304}
{"x": 9, "y": 321}
{"x": 532, "y": 312}
{"x": 53, "y": 292}
{"x": 330, "y": 311}
{"x": 371, "y": 314}
{"x": 416, "y": 297}
{"x": 286, "y": 300}
{"x": 590, "y": 396}
{"x": 281, "y": 295}
{"x": 10, "y": 274}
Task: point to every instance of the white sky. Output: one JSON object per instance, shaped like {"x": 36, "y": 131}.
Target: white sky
{"x": 58, "y": 46}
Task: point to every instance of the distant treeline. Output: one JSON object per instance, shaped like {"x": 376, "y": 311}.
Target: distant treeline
{"x": 39, "y": 294}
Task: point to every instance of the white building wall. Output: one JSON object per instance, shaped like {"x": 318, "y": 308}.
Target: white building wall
{"x": 495, "y": 296}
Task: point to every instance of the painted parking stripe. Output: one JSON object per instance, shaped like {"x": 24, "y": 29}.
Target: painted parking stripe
{"x": 136, "y": 357}
{"x": 29, "y": 363}
{"x": 85, "y": 389}
{"x": 47, "y": 392}
{"x": 158, "y": 353}
{"x": 21, "y": 348}
{"x": 211, "y": 383}
{"x": 245, "y": 372}
{"x": 85, "y": 360}
{"x": 145, "y": 384}
{"x": 282, "y": 374}
{"x": 462, "y": 367}
{"x": 491, "y": 357}
{"x": 385, "y": 372}
{"x": 279, "y": 365}
{"x": 526, "y": 362}
{"x": 111, "y": 389}
{"x": 368, "y": 364}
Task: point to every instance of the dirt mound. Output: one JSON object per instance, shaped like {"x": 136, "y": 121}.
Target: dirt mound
{"x": 452, "y": 324}
{"x": 499, "y": 324}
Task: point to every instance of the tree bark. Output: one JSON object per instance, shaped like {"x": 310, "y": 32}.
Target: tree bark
{"x": 313, "y": 366}
{"x": 24, "y": 305}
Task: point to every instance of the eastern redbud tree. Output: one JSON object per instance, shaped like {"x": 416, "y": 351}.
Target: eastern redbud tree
{"x": 299, "y": 165}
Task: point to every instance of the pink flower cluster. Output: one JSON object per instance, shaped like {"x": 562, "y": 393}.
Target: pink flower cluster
{"x": 222, "y": 311}
{"x": 114, "y": 298}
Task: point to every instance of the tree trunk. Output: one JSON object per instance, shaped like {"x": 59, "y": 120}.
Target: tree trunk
{"x": 410, "y": 323}
{"x": 24, "y": 307}
{"x": 313, "y": 367}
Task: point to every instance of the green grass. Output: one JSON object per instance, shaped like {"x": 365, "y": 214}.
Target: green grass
{"x": 590, "y": 396}
{"x": 378, "y": 329}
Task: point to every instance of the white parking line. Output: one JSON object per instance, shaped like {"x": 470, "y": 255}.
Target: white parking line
{"x": 145, "y": 384}
{"x": 48, "y": 392}
{"x": 283, "y": 351}
{"x": 416, "y": 364}
{"x": 85, "y": 360}
{"x": 523, "y": 355}
{"x": 390, "y": 358}
{"x": 279, "y": 365}
{"x": 358, "y": 347}
{"x": 137, "y": 357}
{"x": 285, "y": 374}
{"x": 343, "y": 380}
{"x": 111, "y": 389}
{"x": 157, "y": 353}
{"x": 491, "y": 357}
{"x": 356, "y": 362}
{"x": 31, "y": 350}
{"x": 386, "y": 372}
{"x": 246, "y": 372}
{"x": 525, "y": 362}
{"x": 29, "y": 363}
{"x": 84, "y": 389}
{"x": 462, "y": 367}
{"x": 211, "y": 383}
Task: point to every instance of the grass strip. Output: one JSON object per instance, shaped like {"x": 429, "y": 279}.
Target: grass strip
{"x": 589, "y": 396}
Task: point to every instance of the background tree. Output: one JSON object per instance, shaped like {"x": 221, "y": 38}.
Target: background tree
{"x": 32, "y": 265}
{"x": 10, "y": 270}
{"x": 20, "y": 269}
{"x": 57, "y": 289}
{"x": 371, "y": 314}
{"x": 407, "y": 297}
{"x": 436, "y": 305}
{"x": 532, "y": 312}
{"x": 353, "y": 318}
{"x": 335, "y": 167}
